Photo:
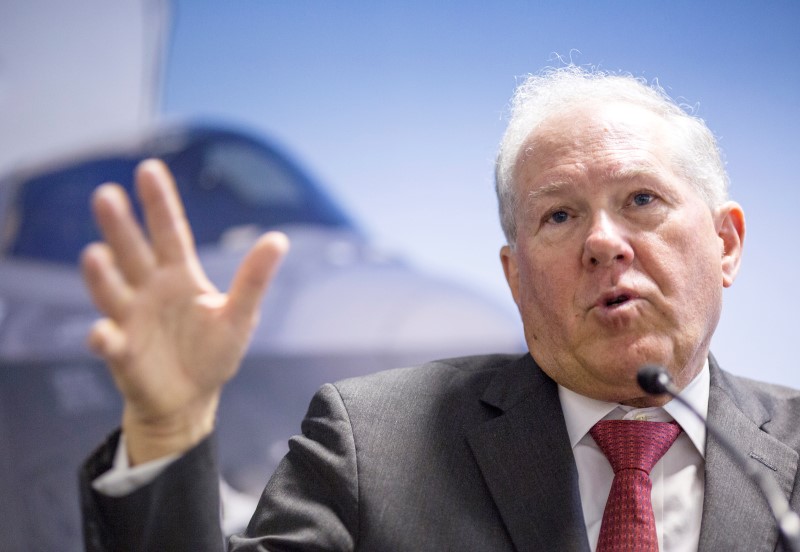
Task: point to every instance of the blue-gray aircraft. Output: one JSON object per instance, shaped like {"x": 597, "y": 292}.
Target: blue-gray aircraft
{"x": 339, "y": 307}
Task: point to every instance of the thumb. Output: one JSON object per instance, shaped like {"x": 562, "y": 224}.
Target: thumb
{"x": 253, "y": 277}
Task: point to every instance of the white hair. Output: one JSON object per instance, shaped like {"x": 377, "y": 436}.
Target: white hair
{"x": 697, "y": 158}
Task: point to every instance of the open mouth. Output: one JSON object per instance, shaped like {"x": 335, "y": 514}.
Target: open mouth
{"x": 618, "y": 300}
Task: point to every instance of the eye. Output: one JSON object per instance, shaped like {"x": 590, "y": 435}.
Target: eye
{"x": 558, "y": 217}
{"x": 643, "y": 198}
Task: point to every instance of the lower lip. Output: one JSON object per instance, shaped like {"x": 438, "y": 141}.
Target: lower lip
{"x": 617, "y": 310}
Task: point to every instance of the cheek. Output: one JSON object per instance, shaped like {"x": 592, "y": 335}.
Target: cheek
{"x": 705, "y": 286}
{"x": 546, "y": 291}
{"x": 688, "y": 273}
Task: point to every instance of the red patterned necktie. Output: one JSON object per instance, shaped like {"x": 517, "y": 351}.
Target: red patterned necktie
{"x": 632, "y": 447}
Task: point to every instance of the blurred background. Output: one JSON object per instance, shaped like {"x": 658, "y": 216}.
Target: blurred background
{"x": 394, "y": 111}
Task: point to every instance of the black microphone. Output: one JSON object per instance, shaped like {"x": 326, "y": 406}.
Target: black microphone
{"x": 655, "y": 380}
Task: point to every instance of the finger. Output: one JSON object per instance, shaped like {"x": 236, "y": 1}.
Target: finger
{"x": 107, "y": 340}
{"x": 254, "y": 275}
{"x": 107, "y": 287}
{"x": 122, "y": 232}
{"x": 169, "y": 230}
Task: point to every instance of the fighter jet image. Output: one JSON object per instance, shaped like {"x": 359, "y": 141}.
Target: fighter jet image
{"x": 339, "y": 307}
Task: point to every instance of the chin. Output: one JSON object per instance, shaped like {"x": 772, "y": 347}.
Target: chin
{"x": 631, "y": 354}
{"x": 620, "y": 365}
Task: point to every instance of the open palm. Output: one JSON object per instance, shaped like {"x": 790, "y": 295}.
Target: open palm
{"x": 170, "y": 338}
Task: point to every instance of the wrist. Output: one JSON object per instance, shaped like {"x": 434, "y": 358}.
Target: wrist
{"x": 153, "y": 438}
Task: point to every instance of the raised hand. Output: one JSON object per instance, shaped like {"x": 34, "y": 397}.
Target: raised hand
{"x": 170, "y": 338}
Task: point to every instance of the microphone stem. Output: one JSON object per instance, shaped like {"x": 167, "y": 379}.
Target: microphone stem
{"x": 788, "y": 520}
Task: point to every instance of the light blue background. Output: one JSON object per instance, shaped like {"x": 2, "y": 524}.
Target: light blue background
{"x": 398, "y": 108}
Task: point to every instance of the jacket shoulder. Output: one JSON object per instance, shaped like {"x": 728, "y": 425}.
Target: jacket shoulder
{"x": 436, "y": 377}
{"x": 777, "y": 406}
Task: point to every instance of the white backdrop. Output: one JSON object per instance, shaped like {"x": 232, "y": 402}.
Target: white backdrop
{"x": 73, "y": 73}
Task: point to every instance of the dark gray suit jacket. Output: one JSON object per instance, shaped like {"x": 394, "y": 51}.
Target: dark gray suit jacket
{"x": 462, "y": 454}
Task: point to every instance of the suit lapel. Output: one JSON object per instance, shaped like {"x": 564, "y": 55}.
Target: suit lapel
{"x": 527, "y": 463}
{"x": 735, "y": 514}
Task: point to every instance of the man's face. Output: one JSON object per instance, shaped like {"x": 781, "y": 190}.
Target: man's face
{"x": 618, "y": 261}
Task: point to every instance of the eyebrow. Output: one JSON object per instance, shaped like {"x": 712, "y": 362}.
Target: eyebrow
{"x": 550, "y": 188}
{"x": 635, "y": 171}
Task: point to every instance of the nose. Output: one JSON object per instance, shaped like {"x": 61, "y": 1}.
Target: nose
{"x": 606, "y": 244}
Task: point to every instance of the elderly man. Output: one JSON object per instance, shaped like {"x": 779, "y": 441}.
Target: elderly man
{"x": 620, "y": 241}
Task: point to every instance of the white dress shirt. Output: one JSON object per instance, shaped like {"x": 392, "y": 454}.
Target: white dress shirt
{"x": 678, "y": 478}
{"x": 123, "y": 479}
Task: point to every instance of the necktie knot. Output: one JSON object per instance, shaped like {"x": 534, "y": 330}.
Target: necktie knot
{"x": 633, "y": 444}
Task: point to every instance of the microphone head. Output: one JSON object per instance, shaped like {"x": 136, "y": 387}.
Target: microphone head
{"x": 654, "y": 380}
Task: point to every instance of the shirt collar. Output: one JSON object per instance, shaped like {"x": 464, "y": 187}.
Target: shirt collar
{"x": 581, "y": 413}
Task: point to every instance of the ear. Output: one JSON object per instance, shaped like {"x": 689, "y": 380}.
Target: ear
{"x": 509, "y": 259}
{"x": 729, "y": 221}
